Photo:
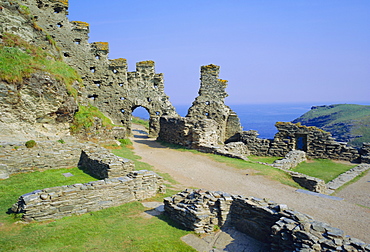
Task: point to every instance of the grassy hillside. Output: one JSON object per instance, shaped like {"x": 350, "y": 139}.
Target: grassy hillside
{"x": 346, "y": 122}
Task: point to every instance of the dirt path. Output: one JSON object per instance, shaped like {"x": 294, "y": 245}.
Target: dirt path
{"x": 192, "y": 170}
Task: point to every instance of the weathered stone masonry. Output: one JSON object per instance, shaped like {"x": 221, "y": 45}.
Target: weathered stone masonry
{"x": 107, "y": 83}
{"x": 58, "y": 202}
{"x": 283, "y": 228}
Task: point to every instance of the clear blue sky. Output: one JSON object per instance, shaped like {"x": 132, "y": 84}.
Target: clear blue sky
{"x": 270, "y": 51}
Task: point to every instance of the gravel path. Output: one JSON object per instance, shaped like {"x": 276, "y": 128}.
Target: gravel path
{"x": 192, "y": 170}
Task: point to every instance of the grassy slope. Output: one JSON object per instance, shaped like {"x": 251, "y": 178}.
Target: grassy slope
{"x": 344, "y": 121}
{"x": 115, "y": 229}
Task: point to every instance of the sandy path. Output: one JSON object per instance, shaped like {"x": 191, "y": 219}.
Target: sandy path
{"x": 192, "y": 170}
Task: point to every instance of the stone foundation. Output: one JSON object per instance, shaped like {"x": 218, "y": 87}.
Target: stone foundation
{"x": 58, "y": 202}
{"x": 283, "y": 228}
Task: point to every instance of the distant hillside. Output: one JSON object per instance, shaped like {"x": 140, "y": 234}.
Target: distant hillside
{"x": 346, "y": 122}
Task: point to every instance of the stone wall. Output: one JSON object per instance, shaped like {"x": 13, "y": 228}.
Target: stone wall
{"x": 107, "y": 83}
{"x": 365, "y": 153}
{"x": 95, "y": 160}
{"x": 188, "y": 132}
{"x": 101, "y": 163}
{"x": 310, "y": 183}
{"x": 210, "y": 104}
{"x": 315, "y": 142}
{"x": 45, "y": 155}
{"x": 58, "y": 202}
{"x": 291, "y": 160}
{"x": 283, "y": 228}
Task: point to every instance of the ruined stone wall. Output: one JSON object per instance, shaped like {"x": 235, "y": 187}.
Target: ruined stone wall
{"x": 276, "y": 224}
{"x": 95, "y": 160}
{"x": 107, "y": 83}
{"x": 58, "y": 202}
{"x": 210, "y": 104}
{"x": 188, "y": 132}
{"x": 365, "y": 153}
{"x": 315, "y": 142}
{"x": 101, "y": 163}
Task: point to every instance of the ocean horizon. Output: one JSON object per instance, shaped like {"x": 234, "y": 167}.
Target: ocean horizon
{"x": 260, "y": 117}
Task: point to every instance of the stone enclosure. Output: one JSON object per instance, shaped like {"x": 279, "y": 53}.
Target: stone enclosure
{"x": 275, "y": 224}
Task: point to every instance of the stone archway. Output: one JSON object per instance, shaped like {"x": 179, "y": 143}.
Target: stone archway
{"x": 153, "y": 120}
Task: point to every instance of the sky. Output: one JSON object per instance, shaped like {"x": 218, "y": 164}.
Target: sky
{"x": 270, "y": 51}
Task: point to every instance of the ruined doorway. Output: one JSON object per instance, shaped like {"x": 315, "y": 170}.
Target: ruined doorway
{"x": 301, "y": 142}
{"x": 140, "y": 116}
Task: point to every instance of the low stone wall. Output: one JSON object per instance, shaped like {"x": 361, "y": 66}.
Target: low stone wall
{"x": 283, "y": 228}
{"x": 101, "y": 163}
{"x": 310, "y": 183}
{"x": 45, "y": 155}
{"x": 346, "y": 177}
{"x": 58, "y": 202}
{"x": 291, "y": 160}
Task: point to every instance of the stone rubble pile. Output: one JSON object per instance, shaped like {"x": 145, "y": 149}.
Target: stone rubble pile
{"x": 291, "y": 160}
{"x": 58, "y": 202}
{"x": 276, "y": 224}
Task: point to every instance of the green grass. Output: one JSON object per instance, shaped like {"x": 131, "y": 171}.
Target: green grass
{"x": 140, "y": 121}
{"x": 19, "y": 184}
{"x": 84, "y": 118}
{"x": 324, "y": 169}
{"x": 268, "y": 160}
{"x": 19, "y": 59}
{"x": 121, "y": 228}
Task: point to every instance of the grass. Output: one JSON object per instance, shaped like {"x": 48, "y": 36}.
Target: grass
{"x": 19, "y": 184}
{"x": 126, "y": 151}
{"x": 121, "y": 228}
{"x": 84, "y": 118}
{"x": 138, "y": 120}
{"x": 268, "y": 160}
{"x": 324, "y": 169}
{"x": 19, "y": 59}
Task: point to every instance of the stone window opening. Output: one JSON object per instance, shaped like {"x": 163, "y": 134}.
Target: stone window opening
{"x": 158, "y": 113}
{"x": 35, "y": 18}
{"x": 120, "y": 84}
{"x": 97, "y": 57}
{"x": 206, "y": 114}
{"x": 58, "y": 10}
{"x": 92, "y": 97}
{"x": 97, "y": 83}
{"x": 122, "y": 111}
{"x": 149, "y": 100}
{"x": 60, "y": 25}
{"x": 115, "y": 71}
{"x": 66, "y": 55}
{"x": 77, "y": 41}
{"x": 122, "y": 98}
{"x": 301, "y": 142}
{"x": 92, "y": 69}
{"x": 207, "y": 103}
{"x": 155, "y": 86}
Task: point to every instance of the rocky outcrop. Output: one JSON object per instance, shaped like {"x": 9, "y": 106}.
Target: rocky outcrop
{"x": 276, "y": 224}
{"x": 37, "y": 107}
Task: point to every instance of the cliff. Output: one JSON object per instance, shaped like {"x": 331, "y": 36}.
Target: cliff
{"x": 346, "y": 122}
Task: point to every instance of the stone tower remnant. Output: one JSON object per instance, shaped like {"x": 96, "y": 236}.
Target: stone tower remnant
{"x": 210, "y": 104}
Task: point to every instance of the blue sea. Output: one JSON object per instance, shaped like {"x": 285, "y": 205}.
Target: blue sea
{"x": 260, "y": 117}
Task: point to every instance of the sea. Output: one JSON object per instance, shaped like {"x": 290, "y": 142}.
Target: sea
{"x": 260, "y": 117}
